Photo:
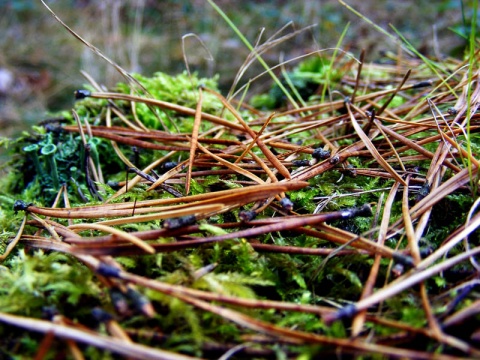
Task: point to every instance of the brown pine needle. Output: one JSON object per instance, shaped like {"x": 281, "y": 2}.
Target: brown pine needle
{"x": 191, "y": 210}
{"x": 266, "y": 151}
{"x": 372, "y": 148}
{"x": 15, "y": 240}
{"x": 121, "y": 234}
{"x": 194, "y": 140}
{"x": 118, "y": 346}
{"x": 359, "y": 320}
{"x": 401, "y": 285}
{"x": 382, "y": 109}
{"x": 166, "y": 105}
{"x": 254, "y": 141}
{"x": 407, "y": 221}
{"x": 168, "y": 175}
{"x": 232, "y": 166}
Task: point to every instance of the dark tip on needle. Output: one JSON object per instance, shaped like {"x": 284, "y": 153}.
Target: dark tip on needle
{"x": 108, "y": 270}
{"x": 364, "y": 211}
{"x": 422, "y": 84}
{"x": 20, "y": 205}
{"x": 179, "y": 222}
{"x": 82, "y": 94}
{"x": 101, "y": 315}
{"x": 286, "y": 204}
{"x": 299, "y": 163}
{"x": 344, "y": 313}
{"x": 140, "y": 302}
{"x": 113, "y": 184}
{"x": 404, "y": 260}
{"x": 321, "y": 154}
{"x": 452, "y": 111}
{"x": 169, "y": 165}
{"x": 247, "y": 215}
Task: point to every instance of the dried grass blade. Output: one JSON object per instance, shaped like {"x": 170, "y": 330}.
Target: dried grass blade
{"x": 117, "y": 67}
{"x": 372, "y": 148}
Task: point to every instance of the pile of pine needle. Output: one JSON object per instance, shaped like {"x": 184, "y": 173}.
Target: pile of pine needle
{"x": 342, "y": 222}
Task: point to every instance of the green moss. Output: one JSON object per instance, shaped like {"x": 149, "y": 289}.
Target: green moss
{"x": 31, "y": 282}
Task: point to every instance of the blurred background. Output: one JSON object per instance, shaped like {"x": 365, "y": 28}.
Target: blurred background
{"x": 40, "y": 62}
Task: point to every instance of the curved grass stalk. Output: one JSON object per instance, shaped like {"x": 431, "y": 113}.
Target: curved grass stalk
{"x": 253, "y": 50}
